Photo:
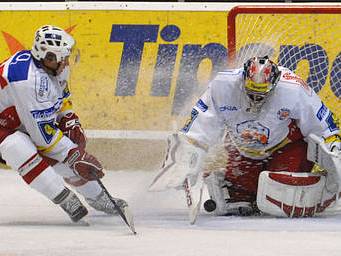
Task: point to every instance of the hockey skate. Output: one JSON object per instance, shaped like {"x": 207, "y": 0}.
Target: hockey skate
{"x": 103, "y": 203}
{"x": 71, "y": 204}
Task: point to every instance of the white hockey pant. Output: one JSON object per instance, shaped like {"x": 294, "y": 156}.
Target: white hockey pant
{"x": 21, "y": 155}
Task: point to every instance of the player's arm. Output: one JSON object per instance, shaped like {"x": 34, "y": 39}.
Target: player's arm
{"x": 68, "y": 121}
{"x": 314, "y": 117}
{"x": 319, "y": 126}
{"x": 39, "y": 120}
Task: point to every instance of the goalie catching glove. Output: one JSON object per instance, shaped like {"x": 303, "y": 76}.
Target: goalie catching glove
{"x": 84, "y": 164}
{"x": 183, "y": 160}
{"x": 326, "y": 153}
{"x": 70, "y": 126}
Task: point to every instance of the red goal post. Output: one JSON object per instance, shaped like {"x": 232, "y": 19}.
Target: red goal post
{"x": 304, "y": 38}
{"x": 270, "y": 9}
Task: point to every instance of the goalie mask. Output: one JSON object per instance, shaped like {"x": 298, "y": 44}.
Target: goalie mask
{"x": 51, "y": 39}
{"x": 261, "y": 76}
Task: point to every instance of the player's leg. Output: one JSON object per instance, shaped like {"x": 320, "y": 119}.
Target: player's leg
{"x": 288, "y": 189}
{"x": 21, "y": 155}
{"x": 291, "y": 158}
{"x": 90, "y": 190}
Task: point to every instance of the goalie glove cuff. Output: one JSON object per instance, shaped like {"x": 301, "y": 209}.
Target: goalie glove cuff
{"x": 333, "y": 142}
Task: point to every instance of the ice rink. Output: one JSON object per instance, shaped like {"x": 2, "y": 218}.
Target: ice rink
{"x": 30, "y": 225}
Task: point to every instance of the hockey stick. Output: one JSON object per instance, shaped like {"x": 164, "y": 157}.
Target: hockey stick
{"x": 126, "y": 216}
{"x": 193, "y": 206}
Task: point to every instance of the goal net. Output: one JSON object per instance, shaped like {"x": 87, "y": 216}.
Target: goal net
{"x": 305, "y": 39}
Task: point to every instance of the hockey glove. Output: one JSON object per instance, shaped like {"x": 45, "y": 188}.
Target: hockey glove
{"x": 326, "y": 155}
{"x": 84, "y": 164}
{"x": 334, "y": 143}
{"x": 183, "y": 160}
{"x": 71, "y": 127}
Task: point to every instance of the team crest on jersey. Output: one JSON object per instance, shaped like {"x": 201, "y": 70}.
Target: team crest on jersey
{"x": 283, "y": 114}
{"x": 253, "y": 134}
{"x": 48, "y": 129}
{"x": 190, "y": 121}
{"x": 43, "y": 89}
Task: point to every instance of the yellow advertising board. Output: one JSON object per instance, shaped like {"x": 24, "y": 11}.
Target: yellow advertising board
{"x": 131, "y": 61}
{"x": 139, "y": 69}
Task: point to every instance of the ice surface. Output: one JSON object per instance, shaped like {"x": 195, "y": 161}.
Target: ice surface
{"x": 31, "y": 225}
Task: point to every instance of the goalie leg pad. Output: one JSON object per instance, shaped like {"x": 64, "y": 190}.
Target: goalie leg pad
{"x": 217, "y": 191}
{"x": 217, "y": 188}
{"x": 286, "y": 194}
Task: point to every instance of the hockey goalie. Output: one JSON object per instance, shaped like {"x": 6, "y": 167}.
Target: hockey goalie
{"x": 276, "y": 132}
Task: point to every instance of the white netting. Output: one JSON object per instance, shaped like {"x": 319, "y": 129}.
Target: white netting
{"x": 308, "y": 44}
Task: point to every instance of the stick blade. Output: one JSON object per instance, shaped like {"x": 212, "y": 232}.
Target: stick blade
{"x": 130, "y": 219}
{"x": 193, "y": 198}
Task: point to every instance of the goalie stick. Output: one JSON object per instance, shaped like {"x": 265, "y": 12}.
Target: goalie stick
{"x": 193, "y": 202}
{"x": 126, "y": 216}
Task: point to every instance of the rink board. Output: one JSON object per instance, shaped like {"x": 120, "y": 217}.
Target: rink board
{"x": 141, "y": 70}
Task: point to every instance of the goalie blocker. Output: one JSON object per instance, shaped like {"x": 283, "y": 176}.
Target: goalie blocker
{"x": 282, "y": 194}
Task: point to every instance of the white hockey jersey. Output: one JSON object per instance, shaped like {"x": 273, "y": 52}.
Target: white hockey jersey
{"x": 31, "y": 101}
{"x": 224, "y": 104}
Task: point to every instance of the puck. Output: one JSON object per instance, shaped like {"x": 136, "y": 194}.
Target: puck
{"x": 210, "y": 205}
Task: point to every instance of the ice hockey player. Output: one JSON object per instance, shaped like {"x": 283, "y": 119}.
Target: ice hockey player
{"x": 40, "y": 135}
{"x": 267, "y": 114}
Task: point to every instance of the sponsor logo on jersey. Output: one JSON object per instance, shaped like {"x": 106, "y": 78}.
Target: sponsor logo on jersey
{"x": 283, "y": 114}
{"x": 190, "y": 121}
{"x": 42, "y": 89}
{"x": 201, "y": 105}
{"x": 322, "y": 112}
{"x": 293, "y": 77}
{"x": 228, "y": 108}
{"x": 47, "y": 113}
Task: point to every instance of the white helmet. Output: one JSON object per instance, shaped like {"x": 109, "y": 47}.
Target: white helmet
{"x": 52, "y": 39}
{"x": 261, "y": 76}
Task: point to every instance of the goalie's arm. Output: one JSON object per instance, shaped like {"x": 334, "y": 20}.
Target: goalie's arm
{"x": 314, "y": 117}
{"x": 183, "y": 160}
{"x": 205, "y": 126}
{"x": 187, "y": 148}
